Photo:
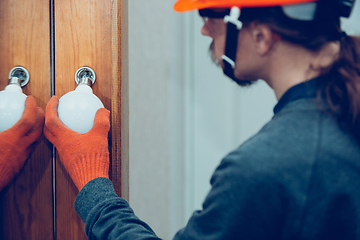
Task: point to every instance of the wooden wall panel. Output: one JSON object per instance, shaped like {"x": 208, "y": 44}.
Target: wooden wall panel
{"x": 26, "y": 204}
{"x": 87, "y": 34}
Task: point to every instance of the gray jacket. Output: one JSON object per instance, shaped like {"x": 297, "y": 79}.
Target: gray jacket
{"x": 297, "y": 178}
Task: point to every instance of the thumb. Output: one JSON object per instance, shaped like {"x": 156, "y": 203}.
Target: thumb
{"x": 51, "y": 108}
{"x": 27, "y": 120}
{"x": 39, "y": 125}
{"x": 101, "y": 121}
{"x": 53, "y": 125}
{"x": 52, "y": 120}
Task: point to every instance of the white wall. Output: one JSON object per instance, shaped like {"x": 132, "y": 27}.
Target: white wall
{"x": 156, "y": 82}
{"x": 184, "y": 115}
{"x": 149, "y": 64}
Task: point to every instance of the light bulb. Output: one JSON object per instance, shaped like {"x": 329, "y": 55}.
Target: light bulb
{"x": 77, "y": 108}
{"x": 12, "y": 99}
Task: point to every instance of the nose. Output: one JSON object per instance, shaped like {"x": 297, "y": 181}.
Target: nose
{"x": 205, "y": 31}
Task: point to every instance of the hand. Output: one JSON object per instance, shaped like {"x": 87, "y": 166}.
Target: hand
{"x": 84, "y": 156}
{"x": 17, "y": 142}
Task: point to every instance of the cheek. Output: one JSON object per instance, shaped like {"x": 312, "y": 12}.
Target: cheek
{"x": 244, "y": 67}
{"x": 219, "y": 47}
{"x": 246, "y": 62}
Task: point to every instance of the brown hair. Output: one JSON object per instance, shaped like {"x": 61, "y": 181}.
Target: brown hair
{"x": 341, "y": 90}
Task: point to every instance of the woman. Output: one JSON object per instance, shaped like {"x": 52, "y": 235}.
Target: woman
{"x": 299, "y": 177}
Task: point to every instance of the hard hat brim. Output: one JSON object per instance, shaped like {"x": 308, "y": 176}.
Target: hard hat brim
{"x": 188, "y": 5}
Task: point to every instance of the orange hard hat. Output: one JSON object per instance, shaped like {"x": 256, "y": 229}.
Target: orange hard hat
{"x": 187, "y": 5}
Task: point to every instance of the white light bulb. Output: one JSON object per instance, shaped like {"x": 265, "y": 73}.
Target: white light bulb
{"x": 77, "y": 108}
{"x": 12, "y": 105}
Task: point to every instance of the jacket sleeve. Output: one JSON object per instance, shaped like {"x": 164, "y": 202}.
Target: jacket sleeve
{"x": 106, "y": 215}
{"x": 244, "y": 203}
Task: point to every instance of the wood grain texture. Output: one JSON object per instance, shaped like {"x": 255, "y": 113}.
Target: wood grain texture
{"x": 124, "y": 100}
{"x": 26, "y": 204}
{"x": 115, "y": 138}
{"x": 87, "y": 34}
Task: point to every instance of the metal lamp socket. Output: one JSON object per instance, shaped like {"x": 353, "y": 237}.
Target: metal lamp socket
{"x": 85, "y": 75}
{"x": 19, "y": 75}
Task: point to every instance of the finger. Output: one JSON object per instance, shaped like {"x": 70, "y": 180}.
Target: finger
{"x": 27, "y": 120}
{"x": 102, "y": 121}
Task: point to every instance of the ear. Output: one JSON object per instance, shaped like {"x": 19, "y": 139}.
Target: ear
{"x": 262, "y": 38}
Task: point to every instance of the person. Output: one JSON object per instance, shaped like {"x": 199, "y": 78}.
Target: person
{"x": 299, "y": 176}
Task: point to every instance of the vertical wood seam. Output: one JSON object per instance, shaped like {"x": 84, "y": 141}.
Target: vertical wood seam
{"x": 52, "y": 86}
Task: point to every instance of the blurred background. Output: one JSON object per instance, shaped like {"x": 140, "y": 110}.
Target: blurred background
{"x": 184, "y": 114}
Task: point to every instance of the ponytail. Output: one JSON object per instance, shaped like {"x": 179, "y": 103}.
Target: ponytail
{"x": 342, "y": 90}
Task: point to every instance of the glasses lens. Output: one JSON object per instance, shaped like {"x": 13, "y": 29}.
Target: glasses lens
{"x": 205, "y": 20}
{"x": 207, "y": 23}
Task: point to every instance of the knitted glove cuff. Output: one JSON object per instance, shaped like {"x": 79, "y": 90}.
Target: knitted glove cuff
{"x": 89, "y": 166}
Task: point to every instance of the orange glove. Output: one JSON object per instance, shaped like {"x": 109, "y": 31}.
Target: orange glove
{"x": 17, "y": 142}
{"x": 84, "y": 156}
